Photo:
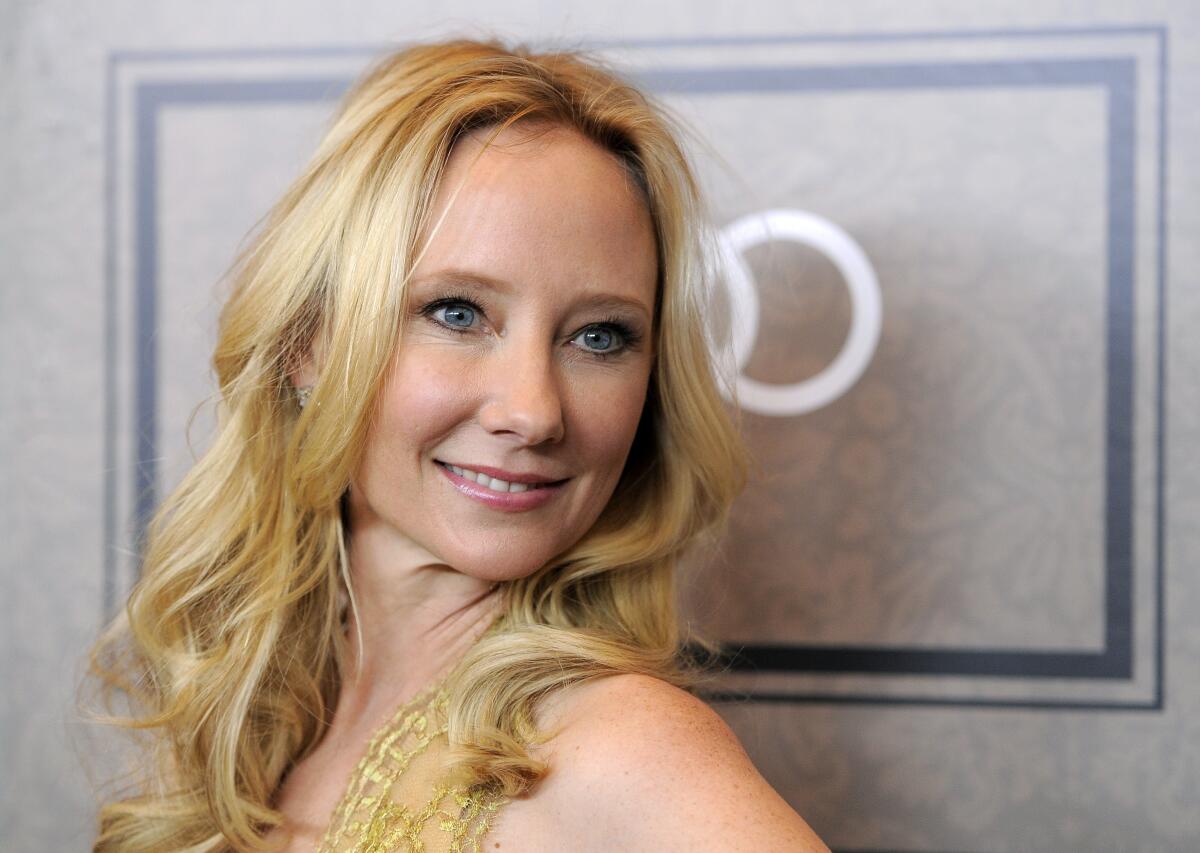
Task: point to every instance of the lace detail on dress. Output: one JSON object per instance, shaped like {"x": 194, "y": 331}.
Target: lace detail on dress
{"x": 398, "y": 799}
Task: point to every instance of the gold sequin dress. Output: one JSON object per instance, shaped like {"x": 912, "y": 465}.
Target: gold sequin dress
{"x": 398, "y": 800}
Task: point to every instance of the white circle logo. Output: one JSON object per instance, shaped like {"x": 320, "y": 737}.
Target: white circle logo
{"x": 865, "y": 301}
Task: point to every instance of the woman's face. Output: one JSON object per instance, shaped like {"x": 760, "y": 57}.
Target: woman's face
{"x": 526, "y": 354}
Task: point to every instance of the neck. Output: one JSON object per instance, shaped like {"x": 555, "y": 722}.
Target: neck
{"x": 414, "y": 620}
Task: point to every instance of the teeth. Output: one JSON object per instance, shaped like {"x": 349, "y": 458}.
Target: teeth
{"x": 491, "y": 482}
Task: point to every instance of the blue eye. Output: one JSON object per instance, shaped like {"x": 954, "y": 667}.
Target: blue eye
{"x": 601, "y": 340}
{"x": 458, "y": 314}
{"x": 598, "y": 338}
{"x": 608, "y": 339}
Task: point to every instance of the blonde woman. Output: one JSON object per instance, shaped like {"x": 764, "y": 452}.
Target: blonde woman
{"x": 420, "y": 594}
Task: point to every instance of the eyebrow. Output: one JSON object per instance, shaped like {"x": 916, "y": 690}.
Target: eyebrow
{"x": 480, "y": 281}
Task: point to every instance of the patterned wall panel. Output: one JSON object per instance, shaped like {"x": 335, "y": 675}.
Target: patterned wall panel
{"x": 978, "y": 509}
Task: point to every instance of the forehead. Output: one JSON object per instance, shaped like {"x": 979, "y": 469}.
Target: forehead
{"x": 541, "y": 206}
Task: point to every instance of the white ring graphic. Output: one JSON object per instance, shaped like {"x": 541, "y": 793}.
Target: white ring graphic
{"x": 866, "y": 303}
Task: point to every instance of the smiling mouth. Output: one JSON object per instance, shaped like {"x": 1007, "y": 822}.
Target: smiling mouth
{"x": 494, "y": 483}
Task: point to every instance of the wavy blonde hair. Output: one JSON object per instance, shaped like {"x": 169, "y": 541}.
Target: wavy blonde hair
{"x": 230, "y": 649}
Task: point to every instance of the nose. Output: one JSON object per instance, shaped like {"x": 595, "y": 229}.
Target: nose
{"x": 522, "y": 395}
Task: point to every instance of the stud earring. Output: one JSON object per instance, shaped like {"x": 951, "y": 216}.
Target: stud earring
{"x": 302, "y": 395}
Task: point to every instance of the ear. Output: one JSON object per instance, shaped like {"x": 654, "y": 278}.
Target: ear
{"x": 306, "y": 374}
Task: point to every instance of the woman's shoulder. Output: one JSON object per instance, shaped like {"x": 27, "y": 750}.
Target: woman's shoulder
{"x": 624, "y": 709}
{"x": 638, "y": 763}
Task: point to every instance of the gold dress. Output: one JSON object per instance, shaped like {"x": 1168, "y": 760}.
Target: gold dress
{"x": 398, "y": 800}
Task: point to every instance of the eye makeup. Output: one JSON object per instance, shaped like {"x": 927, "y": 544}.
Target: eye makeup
{"x": 630, "y": 338}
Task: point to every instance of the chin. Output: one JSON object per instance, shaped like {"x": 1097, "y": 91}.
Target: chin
{"x": 486, "y": 567}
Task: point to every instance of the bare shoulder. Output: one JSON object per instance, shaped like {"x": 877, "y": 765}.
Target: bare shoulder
{"x": 639, "y": 764}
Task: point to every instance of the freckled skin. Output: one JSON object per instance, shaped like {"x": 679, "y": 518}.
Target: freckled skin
{"x": 556, "y": 219}
{"x": 641, "y": 765}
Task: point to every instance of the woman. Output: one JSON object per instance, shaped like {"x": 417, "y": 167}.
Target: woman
{"x": 419, "y": 593}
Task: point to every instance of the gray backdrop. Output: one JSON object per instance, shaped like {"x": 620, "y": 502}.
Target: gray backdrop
{"x": 959, "y": 250}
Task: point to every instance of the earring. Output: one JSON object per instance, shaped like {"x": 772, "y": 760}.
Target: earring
{"x": 302, "y": 395}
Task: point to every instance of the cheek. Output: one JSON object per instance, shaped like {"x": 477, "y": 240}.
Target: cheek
{"x": 426, "y": 397}
{"x": 606, "y": 420}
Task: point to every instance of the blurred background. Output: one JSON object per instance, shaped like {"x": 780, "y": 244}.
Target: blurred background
{"x": 959, "y": 249}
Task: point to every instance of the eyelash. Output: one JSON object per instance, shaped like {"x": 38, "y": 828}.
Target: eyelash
{"x": 629, "y": 337}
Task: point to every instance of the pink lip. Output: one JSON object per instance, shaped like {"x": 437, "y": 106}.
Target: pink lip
{"x": 504, "y": 501}
{"x": 506, "y": 476}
